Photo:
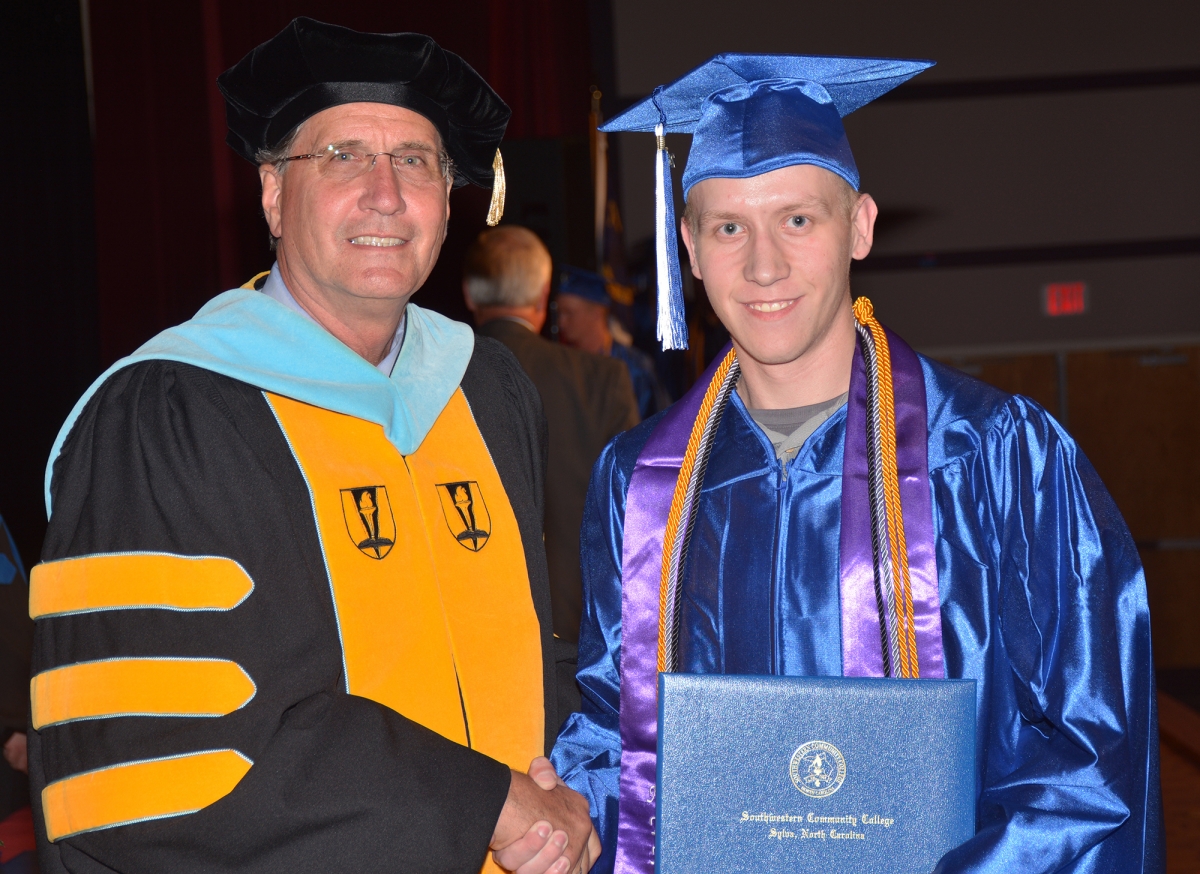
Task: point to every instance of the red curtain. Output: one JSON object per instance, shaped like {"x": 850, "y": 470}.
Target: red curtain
{"x": 540, "y": 63}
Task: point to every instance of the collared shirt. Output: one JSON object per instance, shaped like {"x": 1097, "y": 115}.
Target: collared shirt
{"x": 277, "y": 289}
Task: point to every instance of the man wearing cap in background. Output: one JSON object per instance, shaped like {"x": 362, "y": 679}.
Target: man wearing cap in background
{"x": 585, "y": 321}
{"x": 292, "y": 613}
{"x": 830, "y": 503}
{"x": 588, "y": 400}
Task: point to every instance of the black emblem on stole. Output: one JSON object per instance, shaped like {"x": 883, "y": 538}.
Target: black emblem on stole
{"x": 369, "y": 520}
{"x": 466, "y": 513}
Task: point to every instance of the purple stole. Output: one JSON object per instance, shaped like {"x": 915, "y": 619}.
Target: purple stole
{"x": 646, "y": 506}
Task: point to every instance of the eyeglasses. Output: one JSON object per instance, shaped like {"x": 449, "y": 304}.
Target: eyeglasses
{"x": 344, "y": 163}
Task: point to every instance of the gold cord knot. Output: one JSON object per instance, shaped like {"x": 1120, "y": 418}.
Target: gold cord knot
{"x": 864, "y": 312}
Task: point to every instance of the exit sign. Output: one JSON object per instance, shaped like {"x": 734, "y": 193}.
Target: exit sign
{"x": 1065, "y": 298}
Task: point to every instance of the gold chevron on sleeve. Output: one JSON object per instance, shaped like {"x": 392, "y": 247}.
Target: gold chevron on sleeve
{"x": 136, "y": 580}
{"x": 139, "y": 687}
{"x": 138, "y": 791}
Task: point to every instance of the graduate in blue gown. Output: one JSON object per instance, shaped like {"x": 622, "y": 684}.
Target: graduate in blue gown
{"x": 1042, "y": 596}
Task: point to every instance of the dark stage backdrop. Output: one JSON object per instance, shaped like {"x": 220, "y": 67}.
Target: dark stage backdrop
{"x": 48, "y": 339}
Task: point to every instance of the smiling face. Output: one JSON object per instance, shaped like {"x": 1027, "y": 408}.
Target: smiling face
{"x": 375, "y": 236}
{"x": 774, "y": 254}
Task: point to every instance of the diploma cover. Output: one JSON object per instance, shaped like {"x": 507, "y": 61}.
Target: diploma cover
{"x": 830, "y": 774}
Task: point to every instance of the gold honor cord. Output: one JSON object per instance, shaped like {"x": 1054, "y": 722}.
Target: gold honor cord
{"x": 864, "y": 313}
{"x": 666, "y": 599}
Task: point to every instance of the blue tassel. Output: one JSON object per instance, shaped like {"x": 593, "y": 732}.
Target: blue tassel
{"x": 672, "y": 317}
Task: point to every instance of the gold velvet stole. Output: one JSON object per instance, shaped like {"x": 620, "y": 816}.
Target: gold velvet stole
{"x": 429, "y": 578}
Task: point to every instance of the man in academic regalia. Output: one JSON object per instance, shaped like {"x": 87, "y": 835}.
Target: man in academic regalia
{"x": 585, "y": 321}
{"x": 292, "y": 612}
{"x": 985, "y": 548}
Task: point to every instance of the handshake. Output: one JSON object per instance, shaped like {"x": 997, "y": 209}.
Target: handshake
{"x": 544, "y": 827}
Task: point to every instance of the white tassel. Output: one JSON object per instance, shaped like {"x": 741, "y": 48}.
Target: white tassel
{"x": 660, "y": 242}
{"x": 672, "y": 324}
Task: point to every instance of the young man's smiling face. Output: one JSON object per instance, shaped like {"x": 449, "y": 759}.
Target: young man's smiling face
{"x": 774, "y": 254}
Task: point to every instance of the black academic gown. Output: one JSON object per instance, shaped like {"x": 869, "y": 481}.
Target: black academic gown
{"x": 168, "y": 457}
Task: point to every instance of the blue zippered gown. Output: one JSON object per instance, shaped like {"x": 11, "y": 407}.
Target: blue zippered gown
{"x": 1043, "y": 602}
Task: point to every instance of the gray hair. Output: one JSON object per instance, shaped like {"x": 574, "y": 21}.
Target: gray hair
{"x": 506, "y": 266}
{"x": 281, "y": 150}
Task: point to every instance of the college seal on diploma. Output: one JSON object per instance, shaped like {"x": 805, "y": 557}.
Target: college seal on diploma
{"x": 818, "y": 769}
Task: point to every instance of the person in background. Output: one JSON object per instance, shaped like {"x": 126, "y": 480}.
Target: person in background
{"x": 293, "y": 611}
{"x": 588, "y": 399}
{"x": 17, "y": 844}
{"x": 585, "y": 321}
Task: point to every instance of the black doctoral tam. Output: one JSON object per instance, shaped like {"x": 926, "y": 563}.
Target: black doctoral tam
{"x": 310, "y": 66}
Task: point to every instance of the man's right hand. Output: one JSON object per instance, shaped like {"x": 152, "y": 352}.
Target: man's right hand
{"x": 544, "y": 827}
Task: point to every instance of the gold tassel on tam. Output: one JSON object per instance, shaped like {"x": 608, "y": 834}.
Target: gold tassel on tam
{"x": 496, "y": 210}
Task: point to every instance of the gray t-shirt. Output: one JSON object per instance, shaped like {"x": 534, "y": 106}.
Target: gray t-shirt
{"x": 788, "y": 429}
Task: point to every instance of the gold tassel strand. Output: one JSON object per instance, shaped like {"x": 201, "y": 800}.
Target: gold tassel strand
{"x": 496, "y": 209}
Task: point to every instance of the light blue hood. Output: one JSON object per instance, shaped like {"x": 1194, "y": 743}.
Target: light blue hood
{"x": 246, "y": 335}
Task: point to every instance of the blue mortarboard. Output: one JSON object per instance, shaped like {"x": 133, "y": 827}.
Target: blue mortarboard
{"x": 585, "y": 284}
{"x": 749, "y": 115}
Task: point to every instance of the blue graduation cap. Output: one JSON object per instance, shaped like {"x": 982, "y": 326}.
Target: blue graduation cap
{"x": 585, "y": 284}
{"x": 749, "y": 115}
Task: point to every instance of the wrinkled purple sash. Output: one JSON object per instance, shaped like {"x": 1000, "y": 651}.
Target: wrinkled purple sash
{"x": 647, "y": 503}
{"x": 862, "y": 654}
{"x": 651, "y": 488}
